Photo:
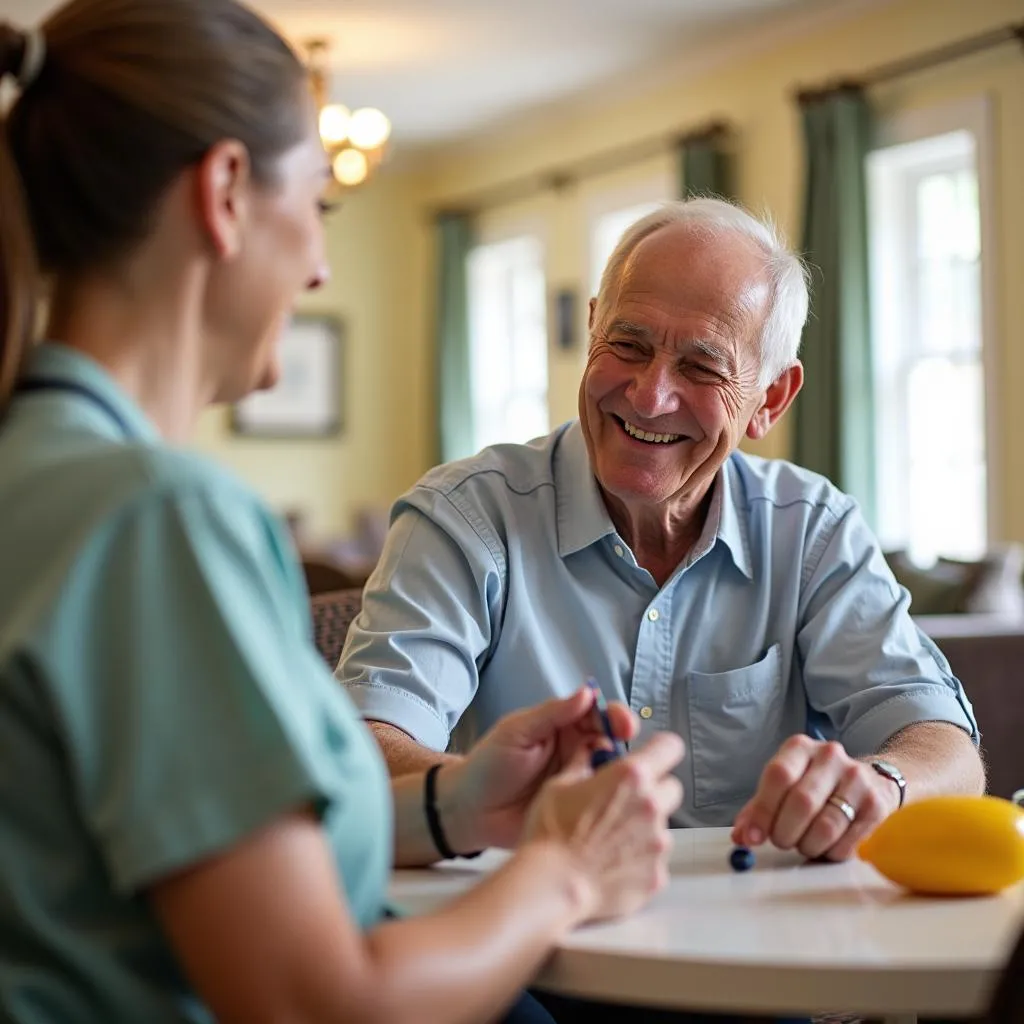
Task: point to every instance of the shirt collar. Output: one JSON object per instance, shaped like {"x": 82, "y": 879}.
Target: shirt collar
{"x": 726, "y": 518}
{"x": 54, "y": 362}
{"x": 583, "y": 519}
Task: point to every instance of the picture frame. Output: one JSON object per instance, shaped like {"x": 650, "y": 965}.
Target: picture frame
{"x": 307, "y": 400}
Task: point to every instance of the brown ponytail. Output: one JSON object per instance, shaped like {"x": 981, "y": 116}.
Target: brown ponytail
{"x": 129, "y": 93}
{"x": 18, "y": 272}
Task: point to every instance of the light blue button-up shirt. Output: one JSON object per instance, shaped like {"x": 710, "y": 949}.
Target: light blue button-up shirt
{"x": 503, "y": 582}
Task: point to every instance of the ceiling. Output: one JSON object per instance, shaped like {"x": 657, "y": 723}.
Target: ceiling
{"x": 441, "y": 69}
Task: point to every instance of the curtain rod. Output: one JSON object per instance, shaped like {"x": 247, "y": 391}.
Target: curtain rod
{"x": 558, "y": 178}
{"x": 917, "y": 62}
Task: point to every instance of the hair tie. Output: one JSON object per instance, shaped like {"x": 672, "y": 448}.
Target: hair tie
{"x": 33, "y": 57}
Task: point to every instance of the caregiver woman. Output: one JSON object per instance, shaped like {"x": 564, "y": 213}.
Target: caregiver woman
{"x": 193, "y": 820}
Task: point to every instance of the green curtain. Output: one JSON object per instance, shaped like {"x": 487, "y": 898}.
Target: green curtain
{"x": 835, "y": 410}
{"x": 454, "y": 397}
{"x": 705, "y": 167}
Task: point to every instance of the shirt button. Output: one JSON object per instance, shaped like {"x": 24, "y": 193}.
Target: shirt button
{"x": 646, "y": 712}
{"x": 653, "y": 615}
{"x": 618, "y": 550}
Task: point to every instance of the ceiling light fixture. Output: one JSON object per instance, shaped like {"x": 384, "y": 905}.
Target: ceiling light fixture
{"x": 355, "y": 140}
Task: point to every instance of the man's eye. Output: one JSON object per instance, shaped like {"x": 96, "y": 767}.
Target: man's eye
{"x": 624, "y": 346}
{"x": 705, "y": 371}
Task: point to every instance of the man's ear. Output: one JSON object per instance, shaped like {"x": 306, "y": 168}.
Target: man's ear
{"x": 777, "y": 399}
{"x": 223, "y": 179}
{"x": 590, "y": 314}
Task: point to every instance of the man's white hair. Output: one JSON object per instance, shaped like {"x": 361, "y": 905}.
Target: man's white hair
{"x": 787, "y": 276}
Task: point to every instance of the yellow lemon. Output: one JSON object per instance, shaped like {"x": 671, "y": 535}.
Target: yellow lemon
{"x": 950, "y": 845}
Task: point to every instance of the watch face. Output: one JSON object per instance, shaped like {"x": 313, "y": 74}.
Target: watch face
{"x": 888, "y": 769}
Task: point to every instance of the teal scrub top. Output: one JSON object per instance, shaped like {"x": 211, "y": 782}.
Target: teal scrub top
{"x": 160, "y": 700}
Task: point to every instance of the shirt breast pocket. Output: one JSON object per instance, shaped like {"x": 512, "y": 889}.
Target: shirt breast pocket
{"x": 735, "y": 720}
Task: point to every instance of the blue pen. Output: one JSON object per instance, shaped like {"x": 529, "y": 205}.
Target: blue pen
{"x": 600, "y": 757}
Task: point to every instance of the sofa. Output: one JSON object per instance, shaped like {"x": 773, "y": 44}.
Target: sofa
{"x": 986, "y": 653}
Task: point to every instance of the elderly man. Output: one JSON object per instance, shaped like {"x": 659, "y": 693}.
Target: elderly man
{"x": 741, "y": 602}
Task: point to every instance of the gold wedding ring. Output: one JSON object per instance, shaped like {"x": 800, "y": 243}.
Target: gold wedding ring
{"x": 846, "y": 809}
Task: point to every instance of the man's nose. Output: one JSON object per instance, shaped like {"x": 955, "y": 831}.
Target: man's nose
{"x": 654, "y": 390}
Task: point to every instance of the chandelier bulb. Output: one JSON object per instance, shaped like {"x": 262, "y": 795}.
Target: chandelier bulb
{"x": 351, "y": 167}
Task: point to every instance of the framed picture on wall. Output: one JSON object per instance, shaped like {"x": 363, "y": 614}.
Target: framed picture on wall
{"x": 306, "y": 401}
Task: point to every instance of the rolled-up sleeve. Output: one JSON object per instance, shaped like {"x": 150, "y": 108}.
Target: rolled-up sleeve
{"x": 867, "y": 666}
{"x": 430, "y": 615}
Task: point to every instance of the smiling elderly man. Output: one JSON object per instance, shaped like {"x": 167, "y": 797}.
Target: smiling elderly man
{"x": 740, "y": 602}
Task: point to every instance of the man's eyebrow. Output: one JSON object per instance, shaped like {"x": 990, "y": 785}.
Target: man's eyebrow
{"x": 713, "y": 351}
{"x": 630, "y": 329}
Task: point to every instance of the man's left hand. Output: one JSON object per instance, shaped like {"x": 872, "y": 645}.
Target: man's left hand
{"x": 806, "y": 797}
{"x": 490, "y": 790}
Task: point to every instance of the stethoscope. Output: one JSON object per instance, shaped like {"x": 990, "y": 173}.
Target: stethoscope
{"x": 29, "y": 384}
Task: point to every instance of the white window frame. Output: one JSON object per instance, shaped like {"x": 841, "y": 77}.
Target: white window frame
{"x": 973, "y": 115}
{"x": 501, "y": 227}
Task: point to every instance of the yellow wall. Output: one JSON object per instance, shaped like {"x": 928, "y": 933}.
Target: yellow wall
{"x": 377, "y": 251}
{"x": 383, "y": 268}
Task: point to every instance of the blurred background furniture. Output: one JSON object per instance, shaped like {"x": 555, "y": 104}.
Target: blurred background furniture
{"x": 986, "y": 653}
{"x": 324, "y": 577}
{"x": 341, "y": 562}
{"x": 990, "y": 585}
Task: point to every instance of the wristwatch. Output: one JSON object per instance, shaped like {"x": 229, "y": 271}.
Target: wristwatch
{"x": 891, "y": 772}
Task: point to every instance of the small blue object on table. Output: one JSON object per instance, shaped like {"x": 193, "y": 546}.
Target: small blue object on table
{"x": 742, "y": 859}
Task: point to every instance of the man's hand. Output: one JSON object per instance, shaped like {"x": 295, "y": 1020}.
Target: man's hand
{"x": 805, "y": 796}
{"x": 484, "y": 797}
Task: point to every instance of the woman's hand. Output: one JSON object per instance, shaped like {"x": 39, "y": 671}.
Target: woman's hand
{"x": 613, "y": 823}
{"x": 483, "y": 799}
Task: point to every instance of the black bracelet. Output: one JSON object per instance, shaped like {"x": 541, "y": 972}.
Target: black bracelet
{"x": 434, "y": 819}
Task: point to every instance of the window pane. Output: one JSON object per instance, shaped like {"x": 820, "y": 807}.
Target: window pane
{"x": 924, "y": 224}
{"x": 947, "y": 459}
{"x": 508, "y": 341}
{"x": 948, "y": 255}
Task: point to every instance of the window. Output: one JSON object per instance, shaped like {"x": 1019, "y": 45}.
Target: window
{"x": 605, "y": 232}
{"x": 925, "y": 225}
{"x": 508, "y": 341}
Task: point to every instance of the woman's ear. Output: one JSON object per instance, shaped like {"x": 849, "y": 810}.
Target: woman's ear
{"x": 223, "y": 180}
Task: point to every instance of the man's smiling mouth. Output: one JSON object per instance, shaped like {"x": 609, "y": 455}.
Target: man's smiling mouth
{"x": 645, "y": 435}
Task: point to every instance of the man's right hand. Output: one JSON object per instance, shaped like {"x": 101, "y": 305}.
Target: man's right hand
{"x": 613, "y": 823}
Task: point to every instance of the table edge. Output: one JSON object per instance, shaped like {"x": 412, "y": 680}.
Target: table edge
{"x": 712, "y": 985}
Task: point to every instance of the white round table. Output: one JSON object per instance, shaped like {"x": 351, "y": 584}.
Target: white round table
{"x": 787, "y": 937}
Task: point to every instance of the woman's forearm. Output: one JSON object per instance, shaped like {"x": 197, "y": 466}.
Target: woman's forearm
{"x": 461, "y": 963}
{"x": 414, "y": 845}
{"x": 453, "y": 966}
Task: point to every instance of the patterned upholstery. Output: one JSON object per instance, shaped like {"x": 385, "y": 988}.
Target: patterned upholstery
{"x": 333, "y": 613}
